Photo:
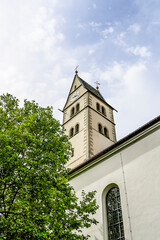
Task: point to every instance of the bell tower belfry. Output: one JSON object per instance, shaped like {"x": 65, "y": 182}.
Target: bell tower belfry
{"x": 88, "y": 120}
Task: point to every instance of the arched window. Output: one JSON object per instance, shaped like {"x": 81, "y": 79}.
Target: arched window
{"x": 77, "y": 107}
{"x": 99, "y": 128}
{"x": 72, "y": 111}
{"x": 98, "y": 107}
{"x": 114, "y": 215}
{"x": 76, "y": 128}
{"x": 103, "y": 111}
{"x": 71, "y": 132}
{"x": 106, "y": 134}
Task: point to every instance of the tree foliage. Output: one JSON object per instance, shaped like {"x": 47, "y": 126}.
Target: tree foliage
{"x": 36, "y": 200}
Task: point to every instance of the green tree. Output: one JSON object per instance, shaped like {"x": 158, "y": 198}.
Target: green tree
{"x": 36, "y": 200}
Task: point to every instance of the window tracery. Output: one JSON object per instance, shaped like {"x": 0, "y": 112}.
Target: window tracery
{"x": 75, "y": 109}
{"x": 74, "y": 130}
{"x": 114, "y": 215}
{"x": 101, "y": 109}
{"x": 103, "y": 130}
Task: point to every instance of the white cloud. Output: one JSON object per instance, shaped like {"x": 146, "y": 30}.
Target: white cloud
{"x": 91, "y": 51}
{"x": 94, "y": 6}
{"x": 126, "y": 75}
{"x": 107, "y": 31}
{"x": 39, "y": 54}
{"x": 43, "y": 34}
{"x": 112, "y": 74}
{"x": 95, "y": 24}
{"x": 120, "y": 39}
{"x": 141, "y": 51}
{"x": 126, "y": 87}
{"x": 135, "y": 28}
{"x": 30, "y": 47}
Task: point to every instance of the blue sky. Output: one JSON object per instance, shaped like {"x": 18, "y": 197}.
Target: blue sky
{"x": 115, "y": 42}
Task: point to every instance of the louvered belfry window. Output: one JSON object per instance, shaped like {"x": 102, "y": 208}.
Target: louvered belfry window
{"x": 114, "y": 215}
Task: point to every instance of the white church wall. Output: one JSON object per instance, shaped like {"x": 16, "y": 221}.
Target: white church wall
{"x": 135, "y": 169}
{"x": 142, "y": 173}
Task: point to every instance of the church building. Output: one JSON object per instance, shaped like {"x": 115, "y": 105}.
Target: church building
{"x": 124, "y": 173}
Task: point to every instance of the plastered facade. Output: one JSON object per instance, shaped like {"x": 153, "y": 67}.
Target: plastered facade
{"x": 134, "y": 167}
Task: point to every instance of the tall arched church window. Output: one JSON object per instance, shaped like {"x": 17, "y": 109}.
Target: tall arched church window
{"x": 114, "y": 215}
{"x": 106, "y": 132}
{"x": 77, "y": 107}
{"x": 98, "y": 107}
{"x": 72, "y": 111}
{"x": 77, "y": 128}
{"x": 103, "y": 111}
{"x": 71, "y": 132}
{"x": 99, "y": 128}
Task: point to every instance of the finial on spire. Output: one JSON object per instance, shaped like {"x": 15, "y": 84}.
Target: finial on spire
{"x": 97, "y": 83}
{"x": 76, "y": 69}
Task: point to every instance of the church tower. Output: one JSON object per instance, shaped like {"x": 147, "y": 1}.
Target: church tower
{"x": 88, "y": 120}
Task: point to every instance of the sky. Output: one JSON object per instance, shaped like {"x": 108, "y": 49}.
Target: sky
{"x": 114, "y": 42}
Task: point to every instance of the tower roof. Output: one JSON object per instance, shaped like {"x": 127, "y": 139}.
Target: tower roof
{"x": 93, "y": 91}
{"x": 90, "y": 89}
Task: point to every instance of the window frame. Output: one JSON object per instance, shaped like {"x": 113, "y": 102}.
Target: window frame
{"x": 104, "y": 209}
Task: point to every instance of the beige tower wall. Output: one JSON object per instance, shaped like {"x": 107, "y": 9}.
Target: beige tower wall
{"x": 88, "y": 141}
{"x": 98, "y": 141}
{"x": 96, "y": 119}
{"x": 72, "y": 101}
{"x": 109, "y": 111}
{"x": 79, "y": 141}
